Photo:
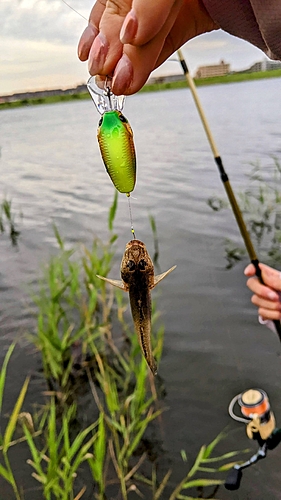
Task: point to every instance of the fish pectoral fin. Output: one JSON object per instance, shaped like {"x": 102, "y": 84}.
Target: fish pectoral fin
{"x": 160, "y": 277}
{"x": 117, "y": 283}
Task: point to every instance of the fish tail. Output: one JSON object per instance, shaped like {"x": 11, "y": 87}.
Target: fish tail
{"x": 145, "y": 344}
{"x": 152, "y": 365}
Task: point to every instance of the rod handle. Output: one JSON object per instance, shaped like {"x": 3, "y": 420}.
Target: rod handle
{"x": 233, "y": 479}
{"x": 276, "y": 322}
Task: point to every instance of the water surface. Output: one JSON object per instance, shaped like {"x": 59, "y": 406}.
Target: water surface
{"x": 214, "y": 348}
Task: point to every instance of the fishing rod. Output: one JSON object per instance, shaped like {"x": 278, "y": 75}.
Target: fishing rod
{"x": 225, "y": 180}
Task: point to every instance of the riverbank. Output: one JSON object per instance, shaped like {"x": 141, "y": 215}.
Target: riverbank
{"x": 153, "y": 87}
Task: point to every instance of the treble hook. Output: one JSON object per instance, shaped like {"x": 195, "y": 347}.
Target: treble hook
{"x": 107, "y": 89}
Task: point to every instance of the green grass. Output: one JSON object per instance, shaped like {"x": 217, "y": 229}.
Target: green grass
{"x": 236, "y": 77}
{"x": 239, "y": 77}
{"x": 77, "y": 312}
{"x": 35, "y": 101}
{"x": 7, "y": 221}
{"x": 260, "y": 204}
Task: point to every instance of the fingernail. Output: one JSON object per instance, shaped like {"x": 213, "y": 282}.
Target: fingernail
{"x": 98, "y": 54}
{"x": 129, "y": 27}
{"x": 85, "y": 42}
{"x": 272, "y": 296}
{"x": 123, "y": 75}
{"x": 248, "y": 269}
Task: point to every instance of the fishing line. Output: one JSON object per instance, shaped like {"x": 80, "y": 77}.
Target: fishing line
{"x": 81, "y": 15}
{"x": 231, "y": 412}
{"x": 131, "y": 218}
{"x": 225, "y": 180}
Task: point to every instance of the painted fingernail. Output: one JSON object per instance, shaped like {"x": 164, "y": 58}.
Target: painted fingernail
{"x": 98, "y": 54}
{"x": 129, "y": 27}
{"x": 85, "y": 42}
{"x": 123, "y": 75}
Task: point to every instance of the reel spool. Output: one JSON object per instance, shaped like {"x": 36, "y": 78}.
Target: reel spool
{"x": 256, "y": 413}
{"x": 255, "y": 406}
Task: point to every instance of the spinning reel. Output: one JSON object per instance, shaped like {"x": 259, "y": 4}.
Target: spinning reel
{"x": 255, "y": 408}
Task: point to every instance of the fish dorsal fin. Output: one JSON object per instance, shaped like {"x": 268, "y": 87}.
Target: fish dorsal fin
{"x": 117, "y": 283}
{"x": 160, "y": 277}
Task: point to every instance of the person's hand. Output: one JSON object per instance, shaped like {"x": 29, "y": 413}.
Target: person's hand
{"x": 127, "y": 39}
{"x": 266, "y": 297}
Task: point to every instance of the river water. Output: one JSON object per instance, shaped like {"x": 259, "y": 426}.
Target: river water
{"x": 214, "y": 348}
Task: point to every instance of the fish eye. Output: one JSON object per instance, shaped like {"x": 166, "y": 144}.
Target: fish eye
{"x": 142, "y": 265}
{"x": 101, "y": 120}
{"x": 122, "y": 118}
{"x": 131, "y": 265}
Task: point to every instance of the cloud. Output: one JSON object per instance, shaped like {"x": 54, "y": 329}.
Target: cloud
{"x": 38, "y": 40}
{"x": 42, "y": 20}
{"x": 217, "y": 41}
{"x": 210, "y": 41}
{"x": 36, "y": 65}
{"x": 210, "y": 48}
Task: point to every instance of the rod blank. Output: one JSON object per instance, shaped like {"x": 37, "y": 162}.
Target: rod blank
{"x": 225, "y": 180}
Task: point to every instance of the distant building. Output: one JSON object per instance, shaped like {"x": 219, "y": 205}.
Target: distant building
{"x": 166, "y": 79}
{"x": 265, "y": 65}
{"x": 220, "y": 69}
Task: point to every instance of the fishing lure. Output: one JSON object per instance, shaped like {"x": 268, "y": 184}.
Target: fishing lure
{"x": 115, "y": 136}
{"x": 137, "y": 273}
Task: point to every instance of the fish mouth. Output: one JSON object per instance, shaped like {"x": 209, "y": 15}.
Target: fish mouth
{"x": 135, "y": 243}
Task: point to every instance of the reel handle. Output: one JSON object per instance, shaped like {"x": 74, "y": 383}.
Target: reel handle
{"x": 233, "y": 479}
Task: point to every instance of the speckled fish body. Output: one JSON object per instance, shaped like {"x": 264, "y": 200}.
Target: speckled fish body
{"x": 115, "y": 138}
{"x": 137, "y": 273}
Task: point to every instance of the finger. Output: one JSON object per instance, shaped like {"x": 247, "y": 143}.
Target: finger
{"x": 137, "y": 62}
{"x": 250, "y": 270}
{"x": 107, "y": 48}
{"x": 86, "y": 41}
{"x": 97, "y": 12}
{"x": 199, "y": 22}
{"x": 261, "y": 290}
{"x": 271, "y": 277}
{"x": 90, "y": 33}
{"x": 142, "y": 25}
{"x": 174, "y": 33}
{"x": 266, "y": 304}
{"x": 268, "y": 314}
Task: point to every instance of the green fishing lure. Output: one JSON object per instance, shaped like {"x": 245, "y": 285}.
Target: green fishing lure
{"x": 115, "y": 137}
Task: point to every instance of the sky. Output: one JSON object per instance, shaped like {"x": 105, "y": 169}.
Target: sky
{"x": 38, "y": 46}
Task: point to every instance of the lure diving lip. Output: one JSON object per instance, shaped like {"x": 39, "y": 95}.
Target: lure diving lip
{"x": 115, "y": 137}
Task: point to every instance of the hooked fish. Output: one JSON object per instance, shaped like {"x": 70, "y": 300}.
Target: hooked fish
{"x": 115, "y": 138}
{"x": 137, "y": 273}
